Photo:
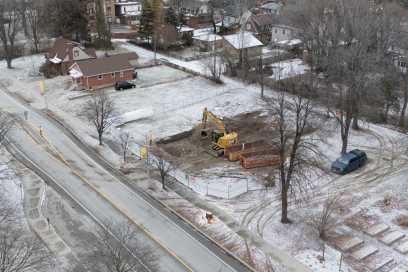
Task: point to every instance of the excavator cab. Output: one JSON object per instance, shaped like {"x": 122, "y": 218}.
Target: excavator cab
{"x": 220, "y": 137}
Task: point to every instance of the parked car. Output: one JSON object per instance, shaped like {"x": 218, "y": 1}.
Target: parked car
{"x": 349, "y": 162}
{"x": 123, "y": 85}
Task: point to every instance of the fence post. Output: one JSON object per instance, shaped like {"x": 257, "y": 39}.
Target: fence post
{"x": 228, "y": 191}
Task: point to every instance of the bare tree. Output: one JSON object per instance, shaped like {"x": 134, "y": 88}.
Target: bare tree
{"x": 404, "y": 90}
{"x": 22, "y": 8}
{"x": 164, "y": 168}
{"x": 297, "y": 153}
{"x": 66, "y": 18}
{"x": 32, "y": 14}
{"x": 324, "y": 221}
{"x": 99, "y": 110}
{"x": 10, "y": 24}
{"x": 121, "y": 250}
{"x": 103, "y": 37}
{"x": 214, "y": 64}
{"x": 7, "y": 211}
{"x": 6, "y": 123}
{"x": 124, "y": 144}
{"x": 21, "y": 252}
{"x": 344, "y": 42}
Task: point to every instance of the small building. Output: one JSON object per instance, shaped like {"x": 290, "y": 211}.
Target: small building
{"x": 261, "y": 25}
{"x": 280, "y": 32}
{"x": 399, "y": 57}
{"x": 186, "y": 33}
{"x": 242, "y": 45}
{"x": 228, "y": 25}
{"x": 93, "y": 74}
{"x": 271, "y": 8}
{"x": 207, "y": 42}
{"x": 64, "y": 53}
{"x": 128, "y": 12}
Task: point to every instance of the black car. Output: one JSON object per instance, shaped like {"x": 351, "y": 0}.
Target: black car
{"x": 123, "y": 85}
{"x": 349, "y": 162}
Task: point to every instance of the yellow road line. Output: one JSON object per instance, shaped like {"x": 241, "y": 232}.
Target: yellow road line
{"x": 147, "y": 232}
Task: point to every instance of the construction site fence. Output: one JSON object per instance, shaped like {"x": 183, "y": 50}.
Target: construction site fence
{"x": 199, "y": 184}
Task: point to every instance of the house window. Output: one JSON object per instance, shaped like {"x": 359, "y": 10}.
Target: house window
{"x": 100, "y": 77}
{"x": 248, "y": 27}
{"x": 121, "y": 74}
{"x": 283, "y": 31}
{"x": 276, "y": 31}
{"x": 402, "y": 64}
{"x": 113, "y": 74}
{"x": 76, "y": 53}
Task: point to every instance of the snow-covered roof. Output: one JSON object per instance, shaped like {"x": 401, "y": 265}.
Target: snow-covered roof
{"x": 272, "y": 6}
{"x": 202, "y": 31}
{"x": 55, "y": 60}
{"x": 186, "y": 29}
{"x": 290, "y": 42}
{"x": 127, "y": 3}
{"x": 243, "y": 40}
{"x": 228, "y": 21}
{"x": 75, "y": 73}
{"x": 289, "y": 68}
{"x": 208, "y": 37}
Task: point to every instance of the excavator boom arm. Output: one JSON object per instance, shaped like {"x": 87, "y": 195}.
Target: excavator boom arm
{"x": 218, "y": 122}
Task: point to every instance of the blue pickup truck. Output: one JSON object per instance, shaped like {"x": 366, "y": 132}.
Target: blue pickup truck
{"x": 349, "y": 162}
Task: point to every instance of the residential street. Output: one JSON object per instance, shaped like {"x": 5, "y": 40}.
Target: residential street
{"x": 104, "y": 196}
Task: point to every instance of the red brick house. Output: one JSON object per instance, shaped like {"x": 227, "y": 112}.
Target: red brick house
{"x": 64, "y": 53}
{"x": 103, "y": 72}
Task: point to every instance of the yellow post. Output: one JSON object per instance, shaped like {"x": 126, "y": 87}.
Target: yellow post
{"x": 143, "y": 153}
{"x": 42, "y": 87}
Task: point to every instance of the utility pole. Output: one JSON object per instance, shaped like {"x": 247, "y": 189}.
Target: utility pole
{"x": 155, "y": 46}
{"x": 262, "y": 75}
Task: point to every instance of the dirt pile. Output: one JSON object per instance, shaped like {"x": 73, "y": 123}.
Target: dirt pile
{"x": 188, "y": 149}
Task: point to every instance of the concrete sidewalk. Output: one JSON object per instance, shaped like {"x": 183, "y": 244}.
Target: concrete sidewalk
{"x": 33, "y": 197}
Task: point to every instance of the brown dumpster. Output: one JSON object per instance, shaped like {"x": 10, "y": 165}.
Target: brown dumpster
{"x": 260, "y": 158}
{"x": 233, "y": 152}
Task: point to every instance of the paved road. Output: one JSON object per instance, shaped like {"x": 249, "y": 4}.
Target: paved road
{"x": 104, "y": 196}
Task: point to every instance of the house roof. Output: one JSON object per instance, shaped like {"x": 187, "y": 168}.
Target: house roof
{"x": 186, "y": 29}
{"x": 263, "y": 19}
{"x": 272, "y": 6}
{"x": 243, "y": 40}
{"x": 62, "y": 47}
{"x": 106, "y": 65}
{"x": 209, "y": 37}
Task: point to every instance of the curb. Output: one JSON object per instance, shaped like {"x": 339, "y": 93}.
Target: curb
{"x": 126, "y": 182}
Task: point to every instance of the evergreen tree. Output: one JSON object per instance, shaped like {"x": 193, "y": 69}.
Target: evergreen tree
{"x": 404, "y": 3}
{"x": 171, "y": 17}
{"x": 146, "y": 21}
{"x": 181, "y": 19}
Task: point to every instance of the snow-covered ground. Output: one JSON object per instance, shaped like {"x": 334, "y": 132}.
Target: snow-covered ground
{"x": 176, "y": 105}
{"x": 288, "y": 68}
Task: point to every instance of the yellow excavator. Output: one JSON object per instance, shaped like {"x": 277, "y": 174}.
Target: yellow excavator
{"x": 221, "y": 138}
